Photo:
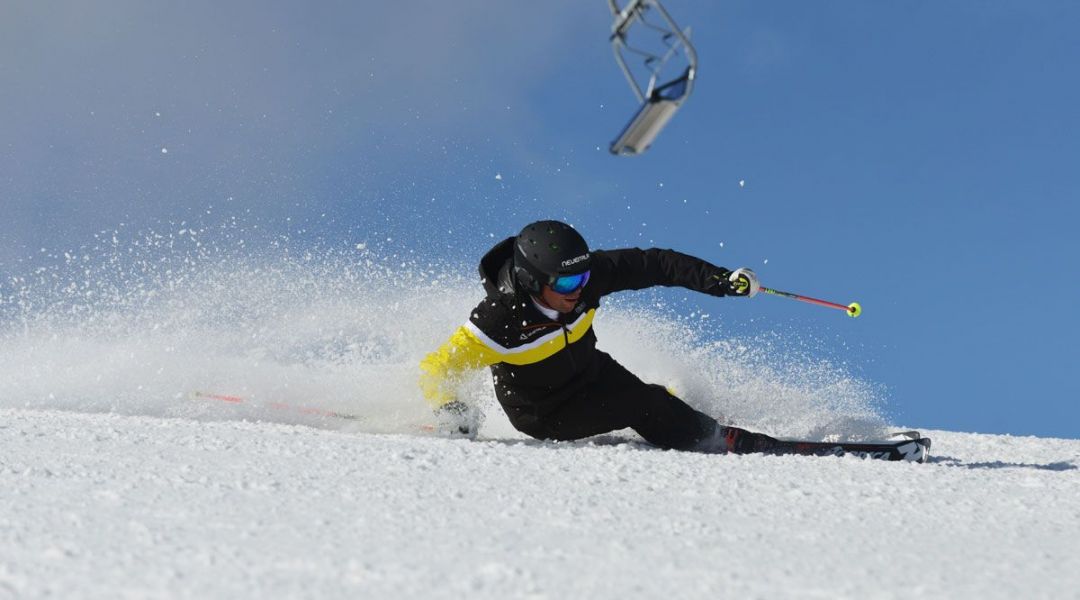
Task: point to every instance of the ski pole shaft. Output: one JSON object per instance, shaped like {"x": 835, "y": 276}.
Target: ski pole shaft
{"x": 283, "y": 406}
{"x": 853, "y": 309}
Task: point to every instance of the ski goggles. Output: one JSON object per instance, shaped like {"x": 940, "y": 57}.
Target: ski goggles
{"x": 569, "y": 283}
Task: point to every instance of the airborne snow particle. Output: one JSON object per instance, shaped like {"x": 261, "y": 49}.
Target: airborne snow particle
{"x": 742, "y": 183}
{"x": 164, "y": 150}
{"x": 498, "y": 177}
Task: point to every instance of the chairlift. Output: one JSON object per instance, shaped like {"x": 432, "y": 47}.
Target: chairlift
{"x": 659, "y": 99}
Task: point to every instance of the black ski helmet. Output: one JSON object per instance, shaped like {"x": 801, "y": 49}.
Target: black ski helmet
{"x": 545, "y": 250}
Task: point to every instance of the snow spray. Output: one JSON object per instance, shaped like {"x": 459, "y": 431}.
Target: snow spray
{"x": 140, "y": 323}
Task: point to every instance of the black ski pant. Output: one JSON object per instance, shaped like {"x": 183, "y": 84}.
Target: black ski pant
{"x": 613, "y": 398}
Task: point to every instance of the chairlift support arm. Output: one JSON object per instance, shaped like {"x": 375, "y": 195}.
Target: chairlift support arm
{"x": 658, "y": 102}
{"x": 625, "y": 18}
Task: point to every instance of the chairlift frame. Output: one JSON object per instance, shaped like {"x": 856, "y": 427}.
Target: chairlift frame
{"x": 659, "y": 101}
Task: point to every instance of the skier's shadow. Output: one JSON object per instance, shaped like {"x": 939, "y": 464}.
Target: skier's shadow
{"x": 949, "y": 461}
{"x": 641, "y": 445}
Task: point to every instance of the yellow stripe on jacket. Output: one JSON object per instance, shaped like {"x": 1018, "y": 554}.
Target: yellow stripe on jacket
{"x": 469, "y": 348}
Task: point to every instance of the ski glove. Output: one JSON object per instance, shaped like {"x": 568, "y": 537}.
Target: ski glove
{"x": 740, "y": 282}
{"x": 457, "y": 419}
{"x": 744, "y": 282}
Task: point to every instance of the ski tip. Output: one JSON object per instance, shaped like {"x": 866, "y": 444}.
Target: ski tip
{"x": 917, "y": 450}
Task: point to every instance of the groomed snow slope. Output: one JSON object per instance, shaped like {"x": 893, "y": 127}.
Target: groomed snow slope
{"x": 111, "y": 506}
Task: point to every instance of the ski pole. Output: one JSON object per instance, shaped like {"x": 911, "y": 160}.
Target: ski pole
{"x": 306, "y": 410}
{"x": 853, "y": 309}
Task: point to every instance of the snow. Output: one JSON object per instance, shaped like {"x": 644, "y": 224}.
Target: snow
{"x": 116, "y": 480}
{"x": 107, "y": 506}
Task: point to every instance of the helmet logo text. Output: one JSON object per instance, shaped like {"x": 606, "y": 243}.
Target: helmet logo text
{"x": 574, "y": 261}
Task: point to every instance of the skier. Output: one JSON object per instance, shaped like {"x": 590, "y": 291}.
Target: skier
{"x": 534, "y": 329}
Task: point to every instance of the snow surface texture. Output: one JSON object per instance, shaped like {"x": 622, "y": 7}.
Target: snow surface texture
{"x": 116, "y": 481}
{"x": 110, "y": 506}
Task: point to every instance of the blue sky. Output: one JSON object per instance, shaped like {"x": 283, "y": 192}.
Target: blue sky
{"x": 918, "y": 157}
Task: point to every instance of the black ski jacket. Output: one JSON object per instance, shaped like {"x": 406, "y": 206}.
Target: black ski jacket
{"x": 538, "y": 362}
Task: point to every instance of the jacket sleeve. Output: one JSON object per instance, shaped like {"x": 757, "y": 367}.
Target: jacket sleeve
{"x": 635, "y": 269}
{"x": 442, "y": 369}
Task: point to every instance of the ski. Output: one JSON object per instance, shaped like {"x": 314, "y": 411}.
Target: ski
{"x": 914, "y": 448}
{"x": 906, "y": 450}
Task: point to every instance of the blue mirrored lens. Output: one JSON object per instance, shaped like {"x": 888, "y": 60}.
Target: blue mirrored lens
{"x": 570, "y": 283}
